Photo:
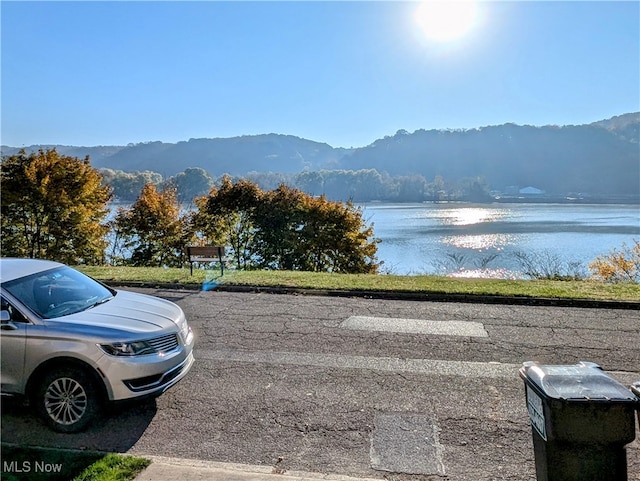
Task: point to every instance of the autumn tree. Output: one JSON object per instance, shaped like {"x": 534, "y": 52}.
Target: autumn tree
{"x": 54, "y": 207}
{"x": 295, "y": 231}
{"x": 286, "y": 229}
{"x": 332, "y": 237}
{"x": 152, "y": 232}
{"x": 226, "y": 217}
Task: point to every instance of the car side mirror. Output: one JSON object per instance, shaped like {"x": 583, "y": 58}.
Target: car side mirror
{"x": 5, "y": 321}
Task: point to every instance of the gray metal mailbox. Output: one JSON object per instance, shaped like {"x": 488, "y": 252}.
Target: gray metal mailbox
{"x": 581, "y": 420}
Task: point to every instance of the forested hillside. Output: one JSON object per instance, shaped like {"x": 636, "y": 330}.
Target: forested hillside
{"x": 235, "y": 155}
{"x": 586, "y": 159}
{"x": 601, "y": 158}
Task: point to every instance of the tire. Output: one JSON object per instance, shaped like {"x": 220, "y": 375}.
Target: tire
{"x": 67, "y": 399}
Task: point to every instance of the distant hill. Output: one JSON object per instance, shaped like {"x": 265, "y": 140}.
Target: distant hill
{"x": 235, "y": 155}
{"x": 600, "y": 158}
{"x": 626, "y": 126}
{"x": 98, "y": 154}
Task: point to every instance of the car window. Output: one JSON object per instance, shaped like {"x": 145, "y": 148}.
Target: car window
{"x": 14, "y": 314}
{"x": 58, "y": 292}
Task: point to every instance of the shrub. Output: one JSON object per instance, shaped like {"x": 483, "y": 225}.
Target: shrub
{"x": 619, "y": 265}
{"x": 548, "y": 265}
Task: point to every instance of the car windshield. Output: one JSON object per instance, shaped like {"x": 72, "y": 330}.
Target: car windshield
{"x": 58, "y": 292}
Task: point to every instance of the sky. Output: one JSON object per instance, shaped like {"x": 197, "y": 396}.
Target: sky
{"x": 341, "y": 72}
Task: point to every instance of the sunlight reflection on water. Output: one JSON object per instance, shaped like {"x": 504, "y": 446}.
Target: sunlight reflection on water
{"x": 466, "y": 240}
{"x": 469, "y": 215}
{"x": 480, "y": 242}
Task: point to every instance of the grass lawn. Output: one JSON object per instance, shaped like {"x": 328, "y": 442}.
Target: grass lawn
{"x": 42, "y": 464}
{"x": 587, "y": 289}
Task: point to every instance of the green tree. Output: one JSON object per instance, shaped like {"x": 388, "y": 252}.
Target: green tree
{"x": 411, "y": 188}
{"x": 474, "y": 189}
{"x": 191, "y": 183}
{"x": 152, "y": 230}
{"x": 279, "y": 218}
{"x": 339, "y": 184}
{"x": 128, "y": 185}
{"x": 295, "y": 231}
{"x": 369, "y": 185}
{"x": 53, "y": 207}
{"x": 435, "y": 190}
{"x": 226, "y": 217}
{"x": 311, "y": 182}
{"x": 268, "y": 180}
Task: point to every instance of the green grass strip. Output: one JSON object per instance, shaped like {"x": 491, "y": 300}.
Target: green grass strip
{"x": 114, "y": 467}
{"x": 585, "y": 289}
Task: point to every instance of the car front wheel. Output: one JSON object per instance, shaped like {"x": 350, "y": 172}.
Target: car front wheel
{"x": 67, "y": 399}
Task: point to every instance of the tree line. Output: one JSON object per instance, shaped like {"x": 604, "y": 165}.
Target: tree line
{"x": 362, "y": 185}
{"x": 55, "y": 207}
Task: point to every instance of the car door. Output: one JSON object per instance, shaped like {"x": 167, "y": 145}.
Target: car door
{"x": 13, "y": 338}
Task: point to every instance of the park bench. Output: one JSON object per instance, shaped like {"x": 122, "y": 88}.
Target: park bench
{"x": 206, "y": 254}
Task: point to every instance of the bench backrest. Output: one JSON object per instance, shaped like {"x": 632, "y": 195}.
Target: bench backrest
{"x": 205, "y": 252}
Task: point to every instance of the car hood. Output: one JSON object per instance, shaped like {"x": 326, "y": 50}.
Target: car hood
{"x": 131, "y": 312}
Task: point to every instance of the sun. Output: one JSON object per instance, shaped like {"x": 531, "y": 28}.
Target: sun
{"x": 445, "y": 21}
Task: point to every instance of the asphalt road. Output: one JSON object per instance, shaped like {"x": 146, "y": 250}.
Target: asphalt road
{"x": 361, "y": 387}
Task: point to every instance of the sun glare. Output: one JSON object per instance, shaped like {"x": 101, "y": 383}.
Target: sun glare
{"x": 445, "y": 21}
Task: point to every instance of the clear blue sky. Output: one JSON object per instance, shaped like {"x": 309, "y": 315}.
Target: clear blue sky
{"x": 343, "y": 72}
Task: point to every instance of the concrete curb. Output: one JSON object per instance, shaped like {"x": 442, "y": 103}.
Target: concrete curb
{"x": 405, "y": 295}
{"x": 170, "y": 469}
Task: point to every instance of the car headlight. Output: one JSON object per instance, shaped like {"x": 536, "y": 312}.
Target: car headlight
{"x": 136, "y": 348}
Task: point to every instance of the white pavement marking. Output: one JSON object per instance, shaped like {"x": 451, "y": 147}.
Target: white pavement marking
{"x": 390, "y": 364}
{"x": 415, "y": 326}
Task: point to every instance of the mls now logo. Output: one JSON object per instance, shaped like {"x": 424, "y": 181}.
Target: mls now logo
{"x": 30, "y": 467}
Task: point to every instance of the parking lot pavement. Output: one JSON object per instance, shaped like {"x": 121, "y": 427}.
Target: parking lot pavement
{"x": 384, "y": 388}
{"x": 400, "y": 390}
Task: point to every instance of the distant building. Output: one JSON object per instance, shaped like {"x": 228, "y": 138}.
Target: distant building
{"x": 531, "y": 191}
{"x": 515, "y": 190}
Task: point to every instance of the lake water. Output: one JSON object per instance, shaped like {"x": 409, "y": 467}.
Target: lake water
{"x": 484, "y": 240}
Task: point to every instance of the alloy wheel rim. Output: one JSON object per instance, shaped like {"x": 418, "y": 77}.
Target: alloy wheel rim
{"x": 65, "y": 401}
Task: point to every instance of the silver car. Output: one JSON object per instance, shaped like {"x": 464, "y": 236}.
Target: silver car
{"x": 71, "y": 344}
